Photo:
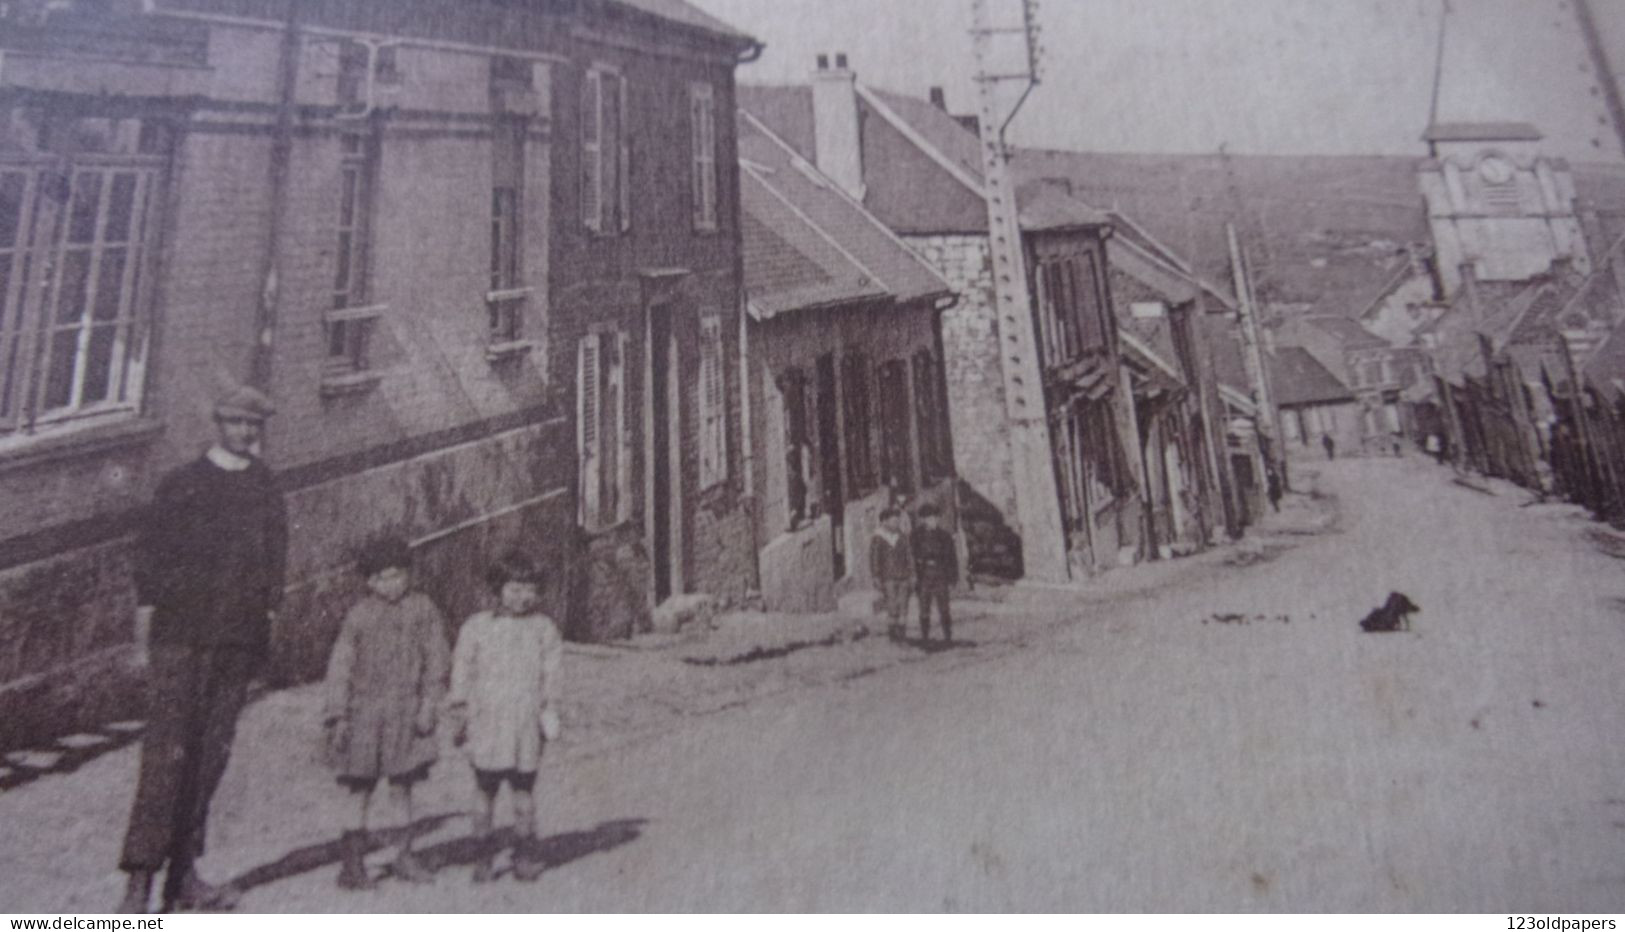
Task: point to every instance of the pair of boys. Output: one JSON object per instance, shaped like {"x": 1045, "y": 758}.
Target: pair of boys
{"x": 386, "y": 686}
{"x": 924, "y": 562}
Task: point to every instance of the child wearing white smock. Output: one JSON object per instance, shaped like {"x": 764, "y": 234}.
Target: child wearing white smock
{"x": 504, "y": 702}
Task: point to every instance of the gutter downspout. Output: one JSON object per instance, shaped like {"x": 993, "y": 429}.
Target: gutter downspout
{"x": 265, "y": 318}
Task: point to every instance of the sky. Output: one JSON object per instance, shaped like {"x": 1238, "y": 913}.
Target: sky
{"x": 1260, "y": 76}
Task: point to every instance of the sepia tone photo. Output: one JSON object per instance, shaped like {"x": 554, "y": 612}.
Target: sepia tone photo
{"x": 1098, "y": 456}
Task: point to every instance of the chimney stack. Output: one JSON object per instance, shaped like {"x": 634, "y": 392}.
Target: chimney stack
{"x": 939, "y": 99}
{"x": 838, "y": 140}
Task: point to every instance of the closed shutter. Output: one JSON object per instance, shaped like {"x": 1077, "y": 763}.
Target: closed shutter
{"x": 623, "y": 436}
{"x": 588, "y": 432}
{"x": 592, "y": 166}
{"x": 713, "y": 404}
{"x": 624, "y": 170}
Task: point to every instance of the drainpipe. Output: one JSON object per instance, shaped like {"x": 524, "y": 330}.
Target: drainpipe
{"x": 265, "y": 318}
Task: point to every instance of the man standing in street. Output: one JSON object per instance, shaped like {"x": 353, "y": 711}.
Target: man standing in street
{"x": 209, "y": 576}
{"x": 936, "y": 569}
{"x": 1330, "y": 445}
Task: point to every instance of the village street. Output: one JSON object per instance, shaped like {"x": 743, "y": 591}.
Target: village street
{"x": 1135, "y": 748}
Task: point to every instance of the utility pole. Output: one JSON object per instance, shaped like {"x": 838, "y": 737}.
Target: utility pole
{"x": 1607, "y": 81}
{"x": 1043, "y": 534}
{"x": 1253, "y": 354}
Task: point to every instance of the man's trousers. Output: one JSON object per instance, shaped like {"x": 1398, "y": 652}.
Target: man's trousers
{"x": 195, "y": 695}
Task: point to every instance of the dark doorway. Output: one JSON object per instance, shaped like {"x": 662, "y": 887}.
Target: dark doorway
{"x": 660, "y": 447}
{"x": 829, "y": 453}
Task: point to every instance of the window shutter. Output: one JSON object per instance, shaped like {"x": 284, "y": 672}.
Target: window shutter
{"x": 712, "y": 398}
{"x": 592, "y": 167}
{"x": 624, "y": 174}
{"x": 696, "y": 135}
{"x": 708, "y": 177}
{"x": 623, "y": 472}
{"x": 588, "y": 433}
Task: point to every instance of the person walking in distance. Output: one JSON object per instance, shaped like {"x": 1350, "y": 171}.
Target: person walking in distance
{"x": 209, "y": 577}
{"x": 936, "y": 571}
{"x": 1330, "y": 445}
{"x": 891, "y": 563}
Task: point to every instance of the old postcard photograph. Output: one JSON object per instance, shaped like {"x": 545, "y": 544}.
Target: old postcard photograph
{"x": 812, "y": 456}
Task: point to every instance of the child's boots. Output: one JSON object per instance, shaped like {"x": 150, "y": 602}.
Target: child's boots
{"x": 528, "y": 863}
{"x": 485, "y": 869}
{"x": 353, "y": 873}
{"x": 410, "y": 868}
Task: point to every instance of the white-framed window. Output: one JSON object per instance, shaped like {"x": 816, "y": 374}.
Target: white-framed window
{"x": 603, "y": 434}
{"x": 713, "y": 403}
{"x": 351, "y": 315}
{"x": 606, "y": 152}
{"x": 506, "y": 301}
{"x": 75, "y": 237}
{"x": 702, "y": 110}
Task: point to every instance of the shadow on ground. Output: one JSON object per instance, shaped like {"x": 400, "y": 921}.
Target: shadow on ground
{"x": 555, "y": 850}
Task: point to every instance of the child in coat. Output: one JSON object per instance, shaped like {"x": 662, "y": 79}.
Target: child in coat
{"x": 891, "y": 562}
{"x": 504, "y": 700}
{"x": 385, "y": 680}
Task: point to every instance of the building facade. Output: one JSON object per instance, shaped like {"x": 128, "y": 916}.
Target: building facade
{"x": 403, "y": 220}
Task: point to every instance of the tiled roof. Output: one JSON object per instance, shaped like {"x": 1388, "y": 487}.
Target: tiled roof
{"x": 922, "y": 167}
{"x": 686, "y": 14}
{"x": 1298, "y": 378}
{"x": 807, "y": 244}
{"x": 939, "y": 128}
{"x": 1348, "y": 333}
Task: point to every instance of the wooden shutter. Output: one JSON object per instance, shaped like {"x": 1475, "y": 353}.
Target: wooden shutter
{"x": 623, "y": 434}
{"x": 713, "y": 404}
{"x": 592, "y": 165}
{"x": 623, "y": 174}
{"x": 703, "y": 155}
{"x": 588, "y": 432}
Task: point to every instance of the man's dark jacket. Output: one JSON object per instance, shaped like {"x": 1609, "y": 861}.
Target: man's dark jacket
{"x": 212, "y": 556}
{"x": 936, "y": 559}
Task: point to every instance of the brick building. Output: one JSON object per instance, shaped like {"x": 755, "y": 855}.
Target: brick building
{"x": 845, "y": 376}
{"x": 443, "y": 235}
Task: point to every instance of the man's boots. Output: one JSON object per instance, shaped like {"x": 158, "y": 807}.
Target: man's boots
{"x": 353, "y": 873}
{"x": 137, "y": 892}
{"x": 193, "y": 894}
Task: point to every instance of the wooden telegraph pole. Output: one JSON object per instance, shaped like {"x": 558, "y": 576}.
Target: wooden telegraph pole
{"x": 1253, "y": 355}
{"x": 1043, "y": 534}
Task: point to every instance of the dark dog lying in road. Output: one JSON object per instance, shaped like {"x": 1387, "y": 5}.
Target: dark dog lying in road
{"x": 1393, "y": 615}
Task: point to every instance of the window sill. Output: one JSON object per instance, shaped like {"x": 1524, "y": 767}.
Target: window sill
{"x": 353, "y": 383}
{"x": 21, "y": 452}
{"x": 504, "y": 352}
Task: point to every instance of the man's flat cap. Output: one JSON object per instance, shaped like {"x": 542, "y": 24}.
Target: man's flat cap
{"x": 244, "y": 403}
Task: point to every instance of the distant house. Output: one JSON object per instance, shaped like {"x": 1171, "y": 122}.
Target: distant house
{"x": 844, "y": 373}
{"x": 1314, "y": 403}
{"x": 1372, "y": 368}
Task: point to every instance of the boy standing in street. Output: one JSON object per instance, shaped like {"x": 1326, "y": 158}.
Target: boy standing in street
{"x": 936, "y": 565}
{"x": 385, "y": 680}
{"x": 891, "y": 562}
